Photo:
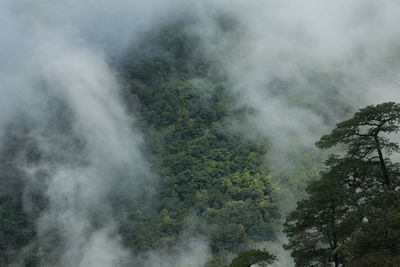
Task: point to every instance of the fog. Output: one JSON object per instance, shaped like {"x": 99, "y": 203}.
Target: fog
{"x": 291, "y": 61}
{"x": 59, "y": 92}
{"x": 303, "y": 66}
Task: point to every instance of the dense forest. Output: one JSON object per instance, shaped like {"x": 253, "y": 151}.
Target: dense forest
{"x": 160, "y": 159}
{"x": 213, "y": 180}
{"x": 207, "y": 169}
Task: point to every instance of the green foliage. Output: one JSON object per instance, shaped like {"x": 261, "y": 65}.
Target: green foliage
{"x": 376, "y": 241}
{"x": 352, "y": 214}
{"x": 206, "y": 168}
{"x": 322, "y": 222}
{"x": 17, "y": 228}
{"x": 359, "y": 131}
{"x": 250, "y": 257}
{"x": 212, "y": 181}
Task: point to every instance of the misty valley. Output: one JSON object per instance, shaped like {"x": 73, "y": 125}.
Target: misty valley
{"x": 199, "y": 133}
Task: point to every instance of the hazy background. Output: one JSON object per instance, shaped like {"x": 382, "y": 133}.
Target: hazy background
{"x": 58, "y": 84}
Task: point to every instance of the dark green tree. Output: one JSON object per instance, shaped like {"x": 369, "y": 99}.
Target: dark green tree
{"x": 320, "y": 224}
{"x": 254, "y": 256}
{"x": 366, "y": 136}
{"x": 352, "y": 212}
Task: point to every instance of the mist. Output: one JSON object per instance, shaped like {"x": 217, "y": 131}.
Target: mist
{"x": 294, "y": 62}
{"x": 353, "y": 46}
{"x": 60, "y": 96}
{"x": 287, "y": 60}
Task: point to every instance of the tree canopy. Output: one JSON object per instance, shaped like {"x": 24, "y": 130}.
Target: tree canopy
{"x": 352, "y": 214}
{"x": 254, "y": 256}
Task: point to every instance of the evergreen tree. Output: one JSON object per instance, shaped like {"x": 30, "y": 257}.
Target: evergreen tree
{"x": 352, "y": 213}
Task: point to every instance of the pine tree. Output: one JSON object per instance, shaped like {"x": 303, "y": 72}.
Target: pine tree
{"x": 352, "y": 214}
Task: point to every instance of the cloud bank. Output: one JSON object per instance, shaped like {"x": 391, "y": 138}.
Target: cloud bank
{"x": 302, "y": 66}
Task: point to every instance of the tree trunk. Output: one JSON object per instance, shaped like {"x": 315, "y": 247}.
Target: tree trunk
{"x": 336, "y": 260}
{"x": 335, "y": 239}
{"x": 382, "y": 162}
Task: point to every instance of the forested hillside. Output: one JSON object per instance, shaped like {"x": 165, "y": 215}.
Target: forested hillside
{"x": 212, "y": 179}
{"x": 180, "y": 133}
{"x": 208, "y": 170}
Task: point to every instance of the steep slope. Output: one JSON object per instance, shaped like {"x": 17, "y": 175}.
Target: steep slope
{"x": 210, "y": 174}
